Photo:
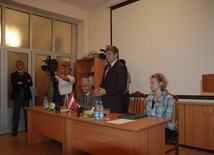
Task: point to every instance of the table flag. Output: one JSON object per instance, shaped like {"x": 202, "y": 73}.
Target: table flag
{"x": 70, "y": 101}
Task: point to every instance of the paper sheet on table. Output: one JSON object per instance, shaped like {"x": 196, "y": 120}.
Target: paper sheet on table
{"x": 120, "y": 121}
{"x": 64, "y": 110}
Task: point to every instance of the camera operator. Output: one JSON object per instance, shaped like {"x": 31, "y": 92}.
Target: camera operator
{"x": 65, "y": 82}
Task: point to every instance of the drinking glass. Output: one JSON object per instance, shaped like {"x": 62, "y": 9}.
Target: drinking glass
{"x": 107, "y": 111}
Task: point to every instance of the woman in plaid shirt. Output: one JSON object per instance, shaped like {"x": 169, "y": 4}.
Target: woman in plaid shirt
{"x": 159, "y": 103}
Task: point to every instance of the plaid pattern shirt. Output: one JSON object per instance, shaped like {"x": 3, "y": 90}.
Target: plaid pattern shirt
{"x": 163, "y": 108}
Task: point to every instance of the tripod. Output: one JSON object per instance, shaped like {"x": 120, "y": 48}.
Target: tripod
{"x": 56, "y": 95}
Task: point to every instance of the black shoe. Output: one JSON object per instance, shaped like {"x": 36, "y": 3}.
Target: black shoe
{"x": 14, "y": 133}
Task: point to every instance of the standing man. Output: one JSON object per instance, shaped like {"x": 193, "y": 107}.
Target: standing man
{"x": 65, "y": 82}
{"x": 87, "y": 99}
{"x": 114, "y": 82}
{"x": 20, "y": 94}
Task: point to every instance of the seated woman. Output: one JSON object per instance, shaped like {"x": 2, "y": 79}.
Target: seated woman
{"x": 159, "y": 103}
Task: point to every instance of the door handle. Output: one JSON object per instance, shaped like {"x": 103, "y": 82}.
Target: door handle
{"x": 34, "y": 92}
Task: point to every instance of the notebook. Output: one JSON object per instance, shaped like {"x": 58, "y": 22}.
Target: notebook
{"x": 132, "y": 116}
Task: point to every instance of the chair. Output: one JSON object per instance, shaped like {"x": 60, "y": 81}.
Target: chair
{"x": 136, "y": 103}
{"x": 174, "y": 140}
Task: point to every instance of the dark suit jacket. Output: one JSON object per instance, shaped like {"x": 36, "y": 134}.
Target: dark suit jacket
{"x": 15, "y": 77}
{"x": 91, "y": 100}
{"x": 114, "y": 82}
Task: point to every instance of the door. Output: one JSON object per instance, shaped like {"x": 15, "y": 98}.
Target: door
{"x": 211, "y": 127}
{"x": 11, "y": 58}
{"x": 181, "y": 124}
{"x": 42, "y": 79}
{"x": 196, "y": 126}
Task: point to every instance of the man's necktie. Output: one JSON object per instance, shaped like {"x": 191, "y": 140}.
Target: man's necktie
{"x": 20, "y": 73}
{"x": 108, "y": 69}
{"x": 85, "y": 99}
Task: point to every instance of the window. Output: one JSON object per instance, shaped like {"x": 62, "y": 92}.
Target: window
{"x": 74, "y": 41}
{"x": 16, "y": 28}
{"x": 63, "y": 37}
{"x": 41, "y": 33}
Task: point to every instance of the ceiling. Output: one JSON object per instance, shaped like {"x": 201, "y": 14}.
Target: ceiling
{"x": 90, "y": 4}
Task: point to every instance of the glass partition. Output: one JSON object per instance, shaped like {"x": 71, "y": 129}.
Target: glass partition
{"x": 16, "y": 28}
{"x": 63, "y": 35}
{"x": 74, "y": 41}
{"x": 41, "y": 33}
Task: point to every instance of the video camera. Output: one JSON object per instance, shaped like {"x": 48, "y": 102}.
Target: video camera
{"x": 102, "y": 55}
{"x": 51, "y": 65}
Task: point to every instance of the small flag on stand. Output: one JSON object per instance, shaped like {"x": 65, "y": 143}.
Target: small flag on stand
{"x": 70, "y": 101}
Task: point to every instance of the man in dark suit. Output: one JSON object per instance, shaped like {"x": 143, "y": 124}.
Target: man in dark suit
{"x": 87, "y": 99}
{"x": 20, "y": 94}
{"x": 113, "y": 82}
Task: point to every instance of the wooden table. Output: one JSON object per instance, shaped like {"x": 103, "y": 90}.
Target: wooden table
{"x": 144, "y": 136}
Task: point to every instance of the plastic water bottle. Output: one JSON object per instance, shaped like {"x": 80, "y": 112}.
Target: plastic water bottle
{"x": 97, "y": 110}
{"x": 101, "y": 114}
{"x": 30, "y": 103}
{"x": 45, "y": 102}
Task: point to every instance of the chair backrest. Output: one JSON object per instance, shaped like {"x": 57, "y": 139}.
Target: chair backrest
{"x": 136, "y": 103}
{"x": 176, "y": 111}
